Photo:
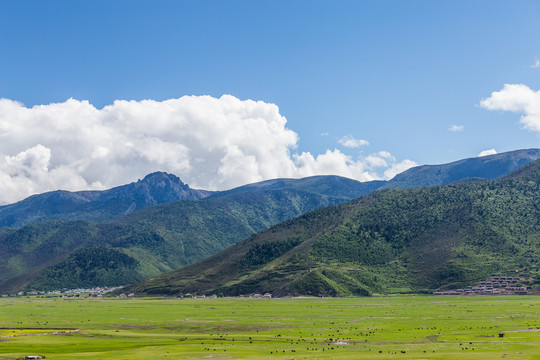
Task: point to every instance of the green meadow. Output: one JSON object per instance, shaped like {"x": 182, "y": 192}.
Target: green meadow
{"x": 426, "y": 327}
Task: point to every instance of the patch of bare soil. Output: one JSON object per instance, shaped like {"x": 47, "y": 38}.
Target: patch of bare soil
{"x": 58, "y": 332}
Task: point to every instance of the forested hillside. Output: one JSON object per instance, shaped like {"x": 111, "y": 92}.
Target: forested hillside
{"x": 158, "y": 239}
{"x": 389, "y": 241}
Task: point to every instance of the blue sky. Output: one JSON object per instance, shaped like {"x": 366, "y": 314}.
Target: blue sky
{"x": 397, "y": 74}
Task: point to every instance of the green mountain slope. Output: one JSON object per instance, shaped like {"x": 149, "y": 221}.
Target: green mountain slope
{"x": 158, "y": 239}
{"x": 389, "y": 241}
{"x": 166, "y": 237}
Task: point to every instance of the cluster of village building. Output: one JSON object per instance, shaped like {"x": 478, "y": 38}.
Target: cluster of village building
{"x": 261, "y": 296}
{"x": 214, "y": 296}
{"x": 494, "y": 285}
{"x": 96, "y": 291}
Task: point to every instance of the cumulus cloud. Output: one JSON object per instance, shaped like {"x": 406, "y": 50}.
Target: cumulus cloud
{"x": 380, "y": 159}
{"x": 517, "y": 98}
{"x": 487, "y": 152}
{"x": 351, "y": 142}
{"x": 210, "y": 143}
{"x": 536, "y": 64}
{"x": 456, "y": 128}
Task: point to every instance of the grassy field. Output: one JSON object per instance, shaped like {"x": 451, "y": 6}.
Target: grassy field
{"x": 347, "y": 328}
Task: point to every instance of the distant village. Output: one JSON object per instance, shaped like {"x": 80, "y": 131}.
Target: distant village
{"x": 494, "y": 285}
{"x": 94, "y": 292}
{"x": 213, "y": 296}
{"x": 97, "y": 292}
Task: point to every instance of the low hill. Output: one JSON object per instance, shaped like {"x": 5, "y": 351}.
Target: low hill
{"x": 329, "y": 185}
{"x": 386, "y": 242}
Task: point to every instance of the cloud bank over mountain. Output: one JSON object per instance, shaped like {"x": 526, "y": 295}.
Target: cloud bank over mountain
{"x": 211, "y": 143}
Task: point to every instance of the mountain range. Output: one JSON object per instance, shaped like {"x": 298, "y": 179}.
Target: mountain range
{"x": 99, "y": 206}
{"x": 158, "y": 188}
{"x": 158, "y": 224}
{"x": 390, "y": 241}
{"x": 152, "y": 240}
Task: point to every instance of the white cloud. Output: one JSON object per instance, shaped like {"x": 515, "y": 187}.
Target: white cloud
{"x": 376, "y": 161}
{"x": 487, "y": 152}
{"x": 517, "y": 98}
{"x": 456, "y": 128}
{"x": 386, "y": 155}
{"x": 210, "y": 143}
{"x": 381, "y": 159}
{"x": 536, "y": 64}
{"x": 351, "y": 142}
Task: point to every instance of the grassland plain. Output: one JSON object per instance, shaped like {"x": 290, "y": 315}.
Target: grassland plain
{"x": 402, "y": 327}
